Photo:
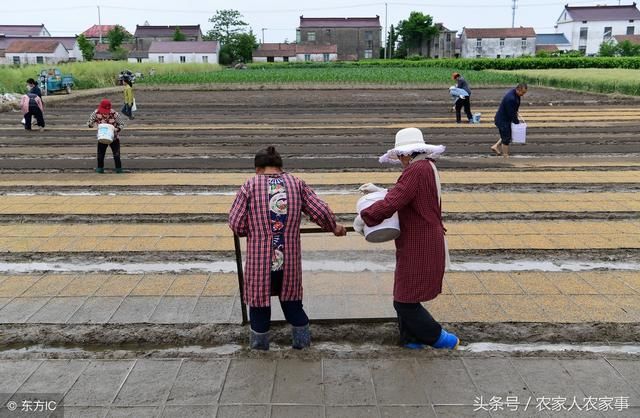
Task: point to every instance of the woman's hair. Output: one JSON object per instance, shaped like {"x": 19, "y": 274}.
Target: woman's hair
{"x": 127, "y": 81}
{"x": 31, "y": 81}
{"x": 268, "y": 157}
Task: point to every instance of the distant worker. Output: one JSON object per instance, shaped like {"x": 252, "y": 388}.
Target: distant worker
{"x": 31, "y": 106}
{"x": 105, "y": 114}
{"x": 268, "y": 210}
{"x": 129, "y": 100}
{"x": 506, "y": 115}
{"x": 463, "y": 100}
{"x": 421, "y": 249}
{"x": 33, "y": 87}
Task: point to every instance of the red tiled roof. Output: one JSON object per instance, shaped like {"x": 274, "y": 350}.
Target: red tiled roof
{"x": 94, "y": 31}
{"x": 21, "y": 30}
{"x": 145, "y": 31}
{"x": 275, "y": 50}
{"x": 168, "y": 47}
{"x": 316, "y": 49}
{"x": 340, "y": 22}
{"x": 499, "y": 32}
{"x": 627, "y": 12}
{"x": 32, "y": 46}
{"x": 634, "y": 39}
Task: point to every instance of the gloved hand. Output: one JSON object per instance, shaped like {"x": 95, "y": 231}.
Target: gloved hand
{"x": 462, "y": 97}
{"x": 371, "y": 188}
{"x": 358, "y": 225}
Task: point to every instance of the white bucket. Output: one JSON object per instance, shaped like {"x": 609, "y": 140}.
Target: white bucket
{"x": 519, "y": 133}
{"x": 106, "y": 132}
{"x": 387, "y": 230}
{"x": 476, "y": 117}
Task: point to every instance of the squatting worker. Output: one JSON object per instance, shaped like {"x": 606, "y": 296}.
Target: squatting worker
{"x": 105, "y": 114}
{"x": 462, "y": 101}
{"x": 268, "y": 210}
{"x": 421, "y": 249}
{"x": 506, "y": 115}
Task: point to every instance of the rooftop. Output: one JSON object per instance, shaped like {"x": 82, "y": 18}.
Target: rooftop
{"x": 340, "y": 22}
{"x": 168, "y": 47}
{"x": 45, "y": 46}
{"x": 148, "y": 31}
{"x": 623, "y": 12}
{"x": 95, "y": 31}
{"x": 520, "y": 32}
{"x": 21, "y": 30}
{"x": 551, "y": 39}
{"x": 634, "y": 39}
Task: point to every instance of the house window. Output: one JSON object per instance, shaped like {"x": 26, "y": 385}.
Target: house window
{"x": 183, "y": 59}
{"x": 307, "y": 57}
{"x": 327, "y": 32}
{"x": 479, "y": 43}
{"x": 631, "y": 30}
{"x": 368, "y": 35}
{"x": 161, "y": 59}
{"x": 478, "y": 56}
{"x": 607, "y": 33}
{"x": 584, "y": 31}
{"x": 325, "y": 57}
{"x": 437, "y": 45}
{"x": 40, "y": 59}
{"x": 285, "y": 59}
{"x": 368, "y": 53}
{"x": 270, "y": 59}
{"x": 139, "y": 59}
{"x": 448, "y": 37}
{"x": 205, "y": 59}
{"x": 16, "y": 60}
{"x": 501, "y": 42}
{"x": 298, "y": 38}
{"x": 524, "y": 43}
{"x": 582, "y": 49}
{"x": 311, "y": 36}
{"x": 498, "y": 56}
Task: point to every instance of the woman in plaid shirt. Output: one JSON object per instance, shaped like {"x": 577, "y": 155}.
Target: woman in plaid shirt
{"x": 268, "y": 210}
{"x": 421, "y": 248}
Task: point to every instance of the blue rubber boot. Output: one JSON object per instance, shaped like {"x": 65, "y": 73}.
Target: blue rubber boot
{"x": 100, "y": 170}
{"x": 301, "y": 337}
{"x": 414, "y": 346}
{"x": 447, "y": 341}
{"x": 259, "y": 340}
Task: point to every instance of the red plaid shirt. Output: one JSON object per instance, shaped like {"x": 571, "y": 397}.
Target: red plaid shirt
{"x": 249, "y": 217}
{"x": 420, "y": 256}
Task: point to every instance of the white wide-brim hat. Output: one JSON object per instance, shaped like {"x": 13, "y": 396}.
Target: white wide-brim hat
{"x": 409, "y": 141}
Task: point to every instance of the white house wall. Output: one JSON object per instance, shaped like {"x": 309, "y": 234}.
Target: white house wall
{"x": 595, "y": 32}
{"x": 59, "y": 55}
{"x": 315, "y": 57}
{"x": 491, "y": 47}
{"x": 170, "y": 58}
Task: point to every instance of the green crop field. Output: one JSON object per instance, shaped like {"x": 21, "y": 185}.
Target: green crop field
{"x": 330, "y": 74}
{"x": 614, "y": 80}
{"x": 93, "y": 74}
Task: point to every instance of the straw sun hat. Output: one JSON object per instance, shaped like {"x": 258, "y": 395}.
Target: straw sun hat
{"x": 409, "y": 141}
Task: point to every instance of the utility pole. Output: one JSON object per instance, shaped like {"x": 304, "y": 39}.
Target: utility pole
{"x": 513, "y": 13}
{"x": 99, "y": 24}
{"x": 386, "y": 28}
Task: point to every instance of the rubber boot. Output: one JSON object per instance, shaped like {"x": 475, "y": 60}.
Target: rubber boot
{"x": 447, "y": 341}
{"x": 259, "y": 340}
{"x": 100, "y": 170}
{"x": 301, "y": 337}
{"x": 119, "y": 170}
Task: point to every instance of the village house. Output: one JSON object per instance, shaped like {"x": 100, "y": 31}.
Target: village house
{"x": 356, "y": 37}
{"x": 24, "y": 31}
{"x": 634, "y": 39}
{"x": 586, "y": 27}
{"x": 98, "y": 33}
{"x": 497, "y": 42}
{"x": 552, "y": 42}
{"x": 184, "y": 52}
{"x": 45, "y": 51}
{"x": 146, "y": 34}
{"x": 443, "y": 45}
{"x": 274, "y": 52}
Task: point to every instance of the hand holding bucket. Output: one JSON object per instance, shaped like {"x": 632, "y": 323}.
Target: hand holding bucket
{"x": 387, "y": 230}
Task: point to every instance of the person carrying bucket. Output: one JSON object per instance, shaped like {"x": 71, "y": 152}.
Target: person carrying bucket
{"x": 463, "y": 98}
{"x": 104, "y": 114}
{"x": 268, "y": 210}
{"x": 421, "y": 249}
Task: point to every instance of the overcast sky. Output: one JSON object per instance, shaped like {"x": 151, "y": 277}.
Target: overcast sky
{"x": 279, "y": 17}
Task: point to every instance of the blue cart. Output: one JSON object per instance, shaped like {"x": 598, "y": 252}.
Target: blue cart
{"x": 52, "y": 80}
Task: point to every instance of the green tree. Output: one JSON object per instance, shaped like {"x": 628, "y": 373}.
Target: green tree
{"x": 87, "y": 47}
{"x": 414, "y": 31}
{"x": 239, "y": 48}
{"x": 226, "y": 24}
{"x": 119, "y": 54}
{"x": 628, "y": 49}
{"x": 608, "y": 49}
{"x": 178, "y": 35}
{"x": 116, "y": 37}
